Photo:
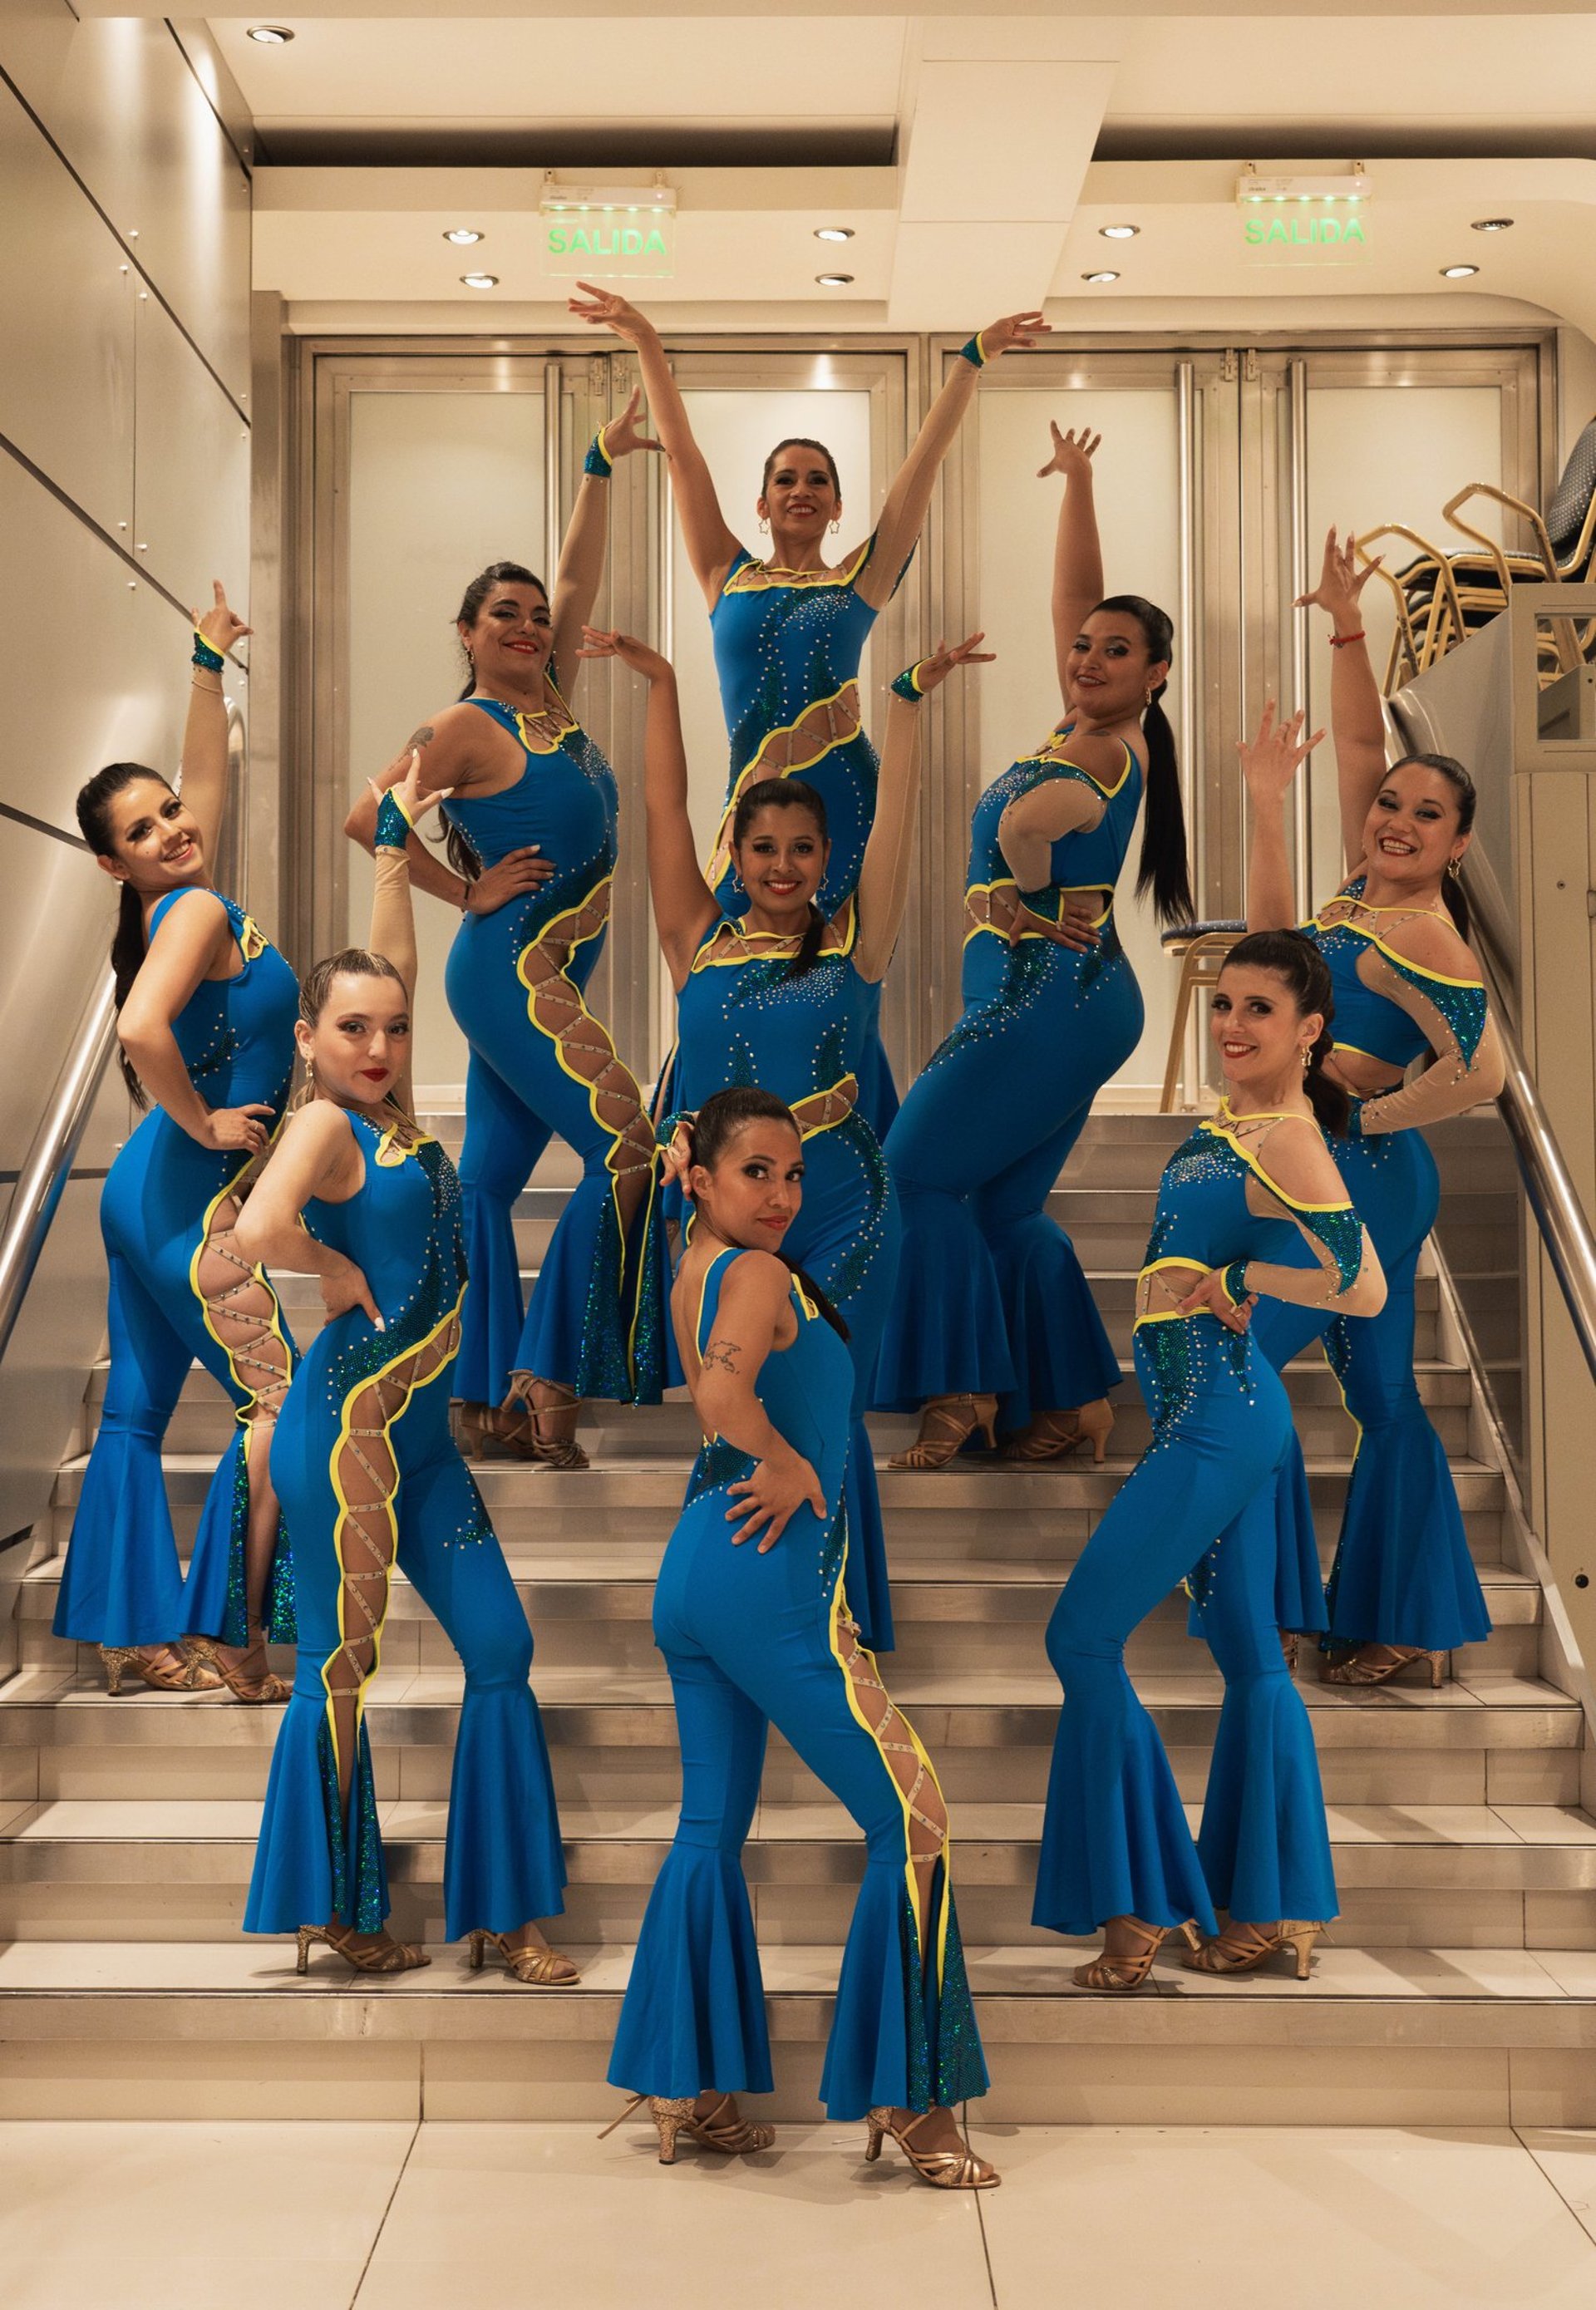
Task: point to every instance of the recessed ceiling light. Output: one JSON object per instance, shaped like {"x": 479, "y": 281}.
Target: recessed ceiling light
{"x": 479, "y": 280}
{"x": 835, "y": 280}
{"x": 270, "y": 36}
{"x": 1097, "y": 278}
{"x": 1119, "y": 231}
{"x": 1458, "y": 272}
{"x": 463, "y": 236}
{"x": 834, "y": 232}
{"x": 1493, "y": 224}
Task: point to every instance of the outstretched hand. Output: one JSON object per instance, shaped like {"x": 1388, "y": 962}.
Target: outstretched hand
{"x": 1073, "y": 454}
{"x": 1272, "y": 761}
{"x": 1016, "y": 332}
{"x": 597, "y": 641}
{"x": 1341, "y": 581}
{"x": 221, "y": 626}
{"x": 934, "y": 670}
{"x": 602, "y": 309}
{"x": 623, "y": 434}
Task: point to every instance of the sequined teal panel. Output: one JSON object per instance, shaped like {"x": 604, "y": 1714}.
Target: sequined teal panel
{"x": 960, "y": 2065}
{"x": 718, "y": 1464}
{"x": 361, "y": 1907}
{"x": 834, "y": 1542}
{"x": 1108, "y": 949}
{"x": 1182, "y": 1357}
{"x": 280, "y": 1610}
{"x": 945, "y": 2065}
{"x": 1341, "y": 1234}
{"x": 1464, "y": 1007}
{"x": 917, "y": 2089}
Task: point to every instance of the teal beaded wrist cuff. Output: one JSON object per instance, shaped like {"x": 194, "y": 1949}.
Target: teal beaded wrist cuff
{"x": 209, "y": 660}
{"x": 393, "y": 828}
{"x": 598, "y": 460}
{"x": 975, "y": 351}
{"x": 1235, "y": 1280}
{"x": 908, "y": 684}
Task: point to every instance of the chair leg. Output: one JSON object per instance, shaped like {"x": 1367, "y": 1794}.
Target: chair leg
{"x": 1177, "y": 1038}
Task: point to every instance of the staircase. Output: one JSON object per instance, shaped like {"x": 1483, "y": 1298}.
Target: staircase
{"x": 1458, "y": 1986}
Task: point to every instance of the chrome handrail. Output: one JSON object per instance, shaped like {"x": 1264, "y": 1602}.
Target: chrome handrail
{"x": 42, "y": 1180}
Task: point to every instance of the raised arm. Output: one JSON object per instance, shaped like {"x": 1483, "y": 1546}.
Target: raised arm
{"x": 884, "y": 873}
{"x": 581, "y": 570}
{"x": 392, "y": 934}
{"x": 1268, "y": 767}
{"x": 908, "y": 500}
{"x": 1078, "y": 550}
{"x": 753, "y": 1299}
{"x": 203, "y": 773}
{"x": 188, "y": 943}
{"x": 684, "y": 905}
{"x": 711, "y": 547}
{"x": 1356, "y": 717}
{"x": 445, "y": 764}
{"x": 1427, "y": 968}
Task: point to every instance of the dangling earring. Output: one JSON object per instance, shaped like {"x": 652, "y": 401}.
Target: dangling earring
{"x": 1454, "y": 867}
{"x": 1307, "y": 1056}
{"x": 764, "y": 525}
{"x": 837, "y": 524}
{"x": 736, "y": 880}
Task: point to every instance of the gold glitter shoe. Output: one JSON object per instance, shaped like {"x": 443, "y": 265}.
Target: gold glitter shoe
{"x": 1121, "y": 1975}
{"x": 1378, "y": 1664}
{"x": 944, "y": 2169}
{"x": 267, "y": 1690}
{"x": 734, "y": 2137}
{"x": 1243, "y": 1948}
{"x": 191, "y": 1675}
{"x": 537, "y": 1964}
{"x": 384, "y": 1956}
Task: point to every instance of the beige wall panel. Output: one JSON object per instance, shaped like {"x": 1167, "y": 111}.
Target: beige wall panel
{"x": 118, "y": 96}
{"x": 126, "y": 702}
{"x": 55, "y": 935}
{"x": 67, "y": 294}
{"x": 191, "y": 469}
{"x": 60, "y": 1331}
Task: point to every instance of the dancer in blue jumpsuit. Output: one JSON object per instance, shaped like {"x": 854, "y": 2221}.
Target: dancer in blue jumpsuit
{"x": 781, "y": 997}
{"x": 1256, "y": 1180}
{"x": 359, "y": 1196}
{"x": 788, "y": 630}
{"x": 991, "y": 1323}
{"x": 760, "y": 1635}
{"x": 1403, "y": 1585}
{"x": 205, "y": 1014}
{"x": 533, "y": 816}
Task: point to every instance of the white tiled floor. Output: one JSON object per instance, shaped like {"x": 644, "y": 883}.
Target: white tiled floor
{"x": 367, "y": 2217}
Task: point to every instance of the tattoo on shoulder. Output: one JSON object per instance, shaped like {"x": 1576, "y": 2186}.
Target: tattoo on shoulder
{"x": 421, "y": 737}
{"x": 721, "y": 1355}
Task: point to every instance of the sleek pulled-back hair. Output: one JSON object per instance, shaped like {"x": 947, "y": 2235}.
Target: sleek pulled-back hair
{"x": 800, "y": 441}
{"x": 1447, "y": 766}
{"x": 1164, "y": 866}
{"x": 128, "y": 943}
{"x": 457, "y": 847}
{"x": 1291, "y": 956}
{"x": 786, "y": 794}
{"x": 352, "y": 963}
{"x": 712, "y": 1131}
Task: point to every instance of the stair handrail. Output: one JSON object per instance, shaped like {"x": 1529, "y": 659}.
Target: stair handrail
{"x": 1554, "y": 1199}
{"x": 42, "y": 1179}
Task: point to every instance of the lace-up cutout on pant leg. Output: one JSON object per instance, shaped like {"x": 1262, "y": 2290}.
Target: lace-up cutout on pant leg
{"x": 910, "y": 1767}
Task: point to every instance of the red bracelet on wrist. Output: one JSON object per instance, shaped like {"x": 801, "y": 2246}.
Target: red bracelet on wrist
{"x": 1339, "y": 641}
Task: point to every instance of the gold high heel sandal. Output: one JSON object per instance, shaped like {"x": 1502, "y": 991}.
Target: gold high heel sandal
{"x": 1379, "y": 1663}
{"x": 264, "y": 1692}
{"x": 1054, "y": 1434}
{"x": 537, "y": 1965}
{"x": 1121, "y": 1975}
{"x": 947, "y": 1423}
{"x": 944, "y": 2169}
{"x": 193, "y": 1676}
{"x": 485, "y": 1432}
{"x": 553, "y": 1445}
{"x": 734, "y": 2137}
{"x": 1242, "y": 1948}
{"x": 389, "y": 1955}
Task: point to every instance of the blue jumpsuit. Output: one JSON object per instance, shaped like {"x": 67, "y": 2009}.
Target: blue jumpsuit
{"x": 541, "y": 1062}
{"x": 369, "y": 1477}
{"x": 1115, "y": 1839}
{"x": 166, "y": 1201}
{"x": 990, "y": 1296}
{"x": 742, "y": 1018}
{"x": 788, "y": 645}
{"x": 1402, "y": 1574}
{"x": 751, "y": 1641}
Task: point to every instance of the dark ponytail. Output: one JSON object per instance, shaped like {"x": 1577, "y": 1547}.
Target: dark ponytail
{"x": 458, "y": 848}
{"x": 711, "y": 1132}
{"x": 786, "y": 794}
{"x": 129, "y": 945}
{"x": 1448, "y": 766}
{"x": 1291, "y": 956}
{"x": 1164, "y": 866}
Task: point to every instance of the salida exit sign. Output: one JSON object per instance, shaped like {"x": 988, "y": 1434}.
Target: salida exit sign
{"x": 609, "y": 231}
